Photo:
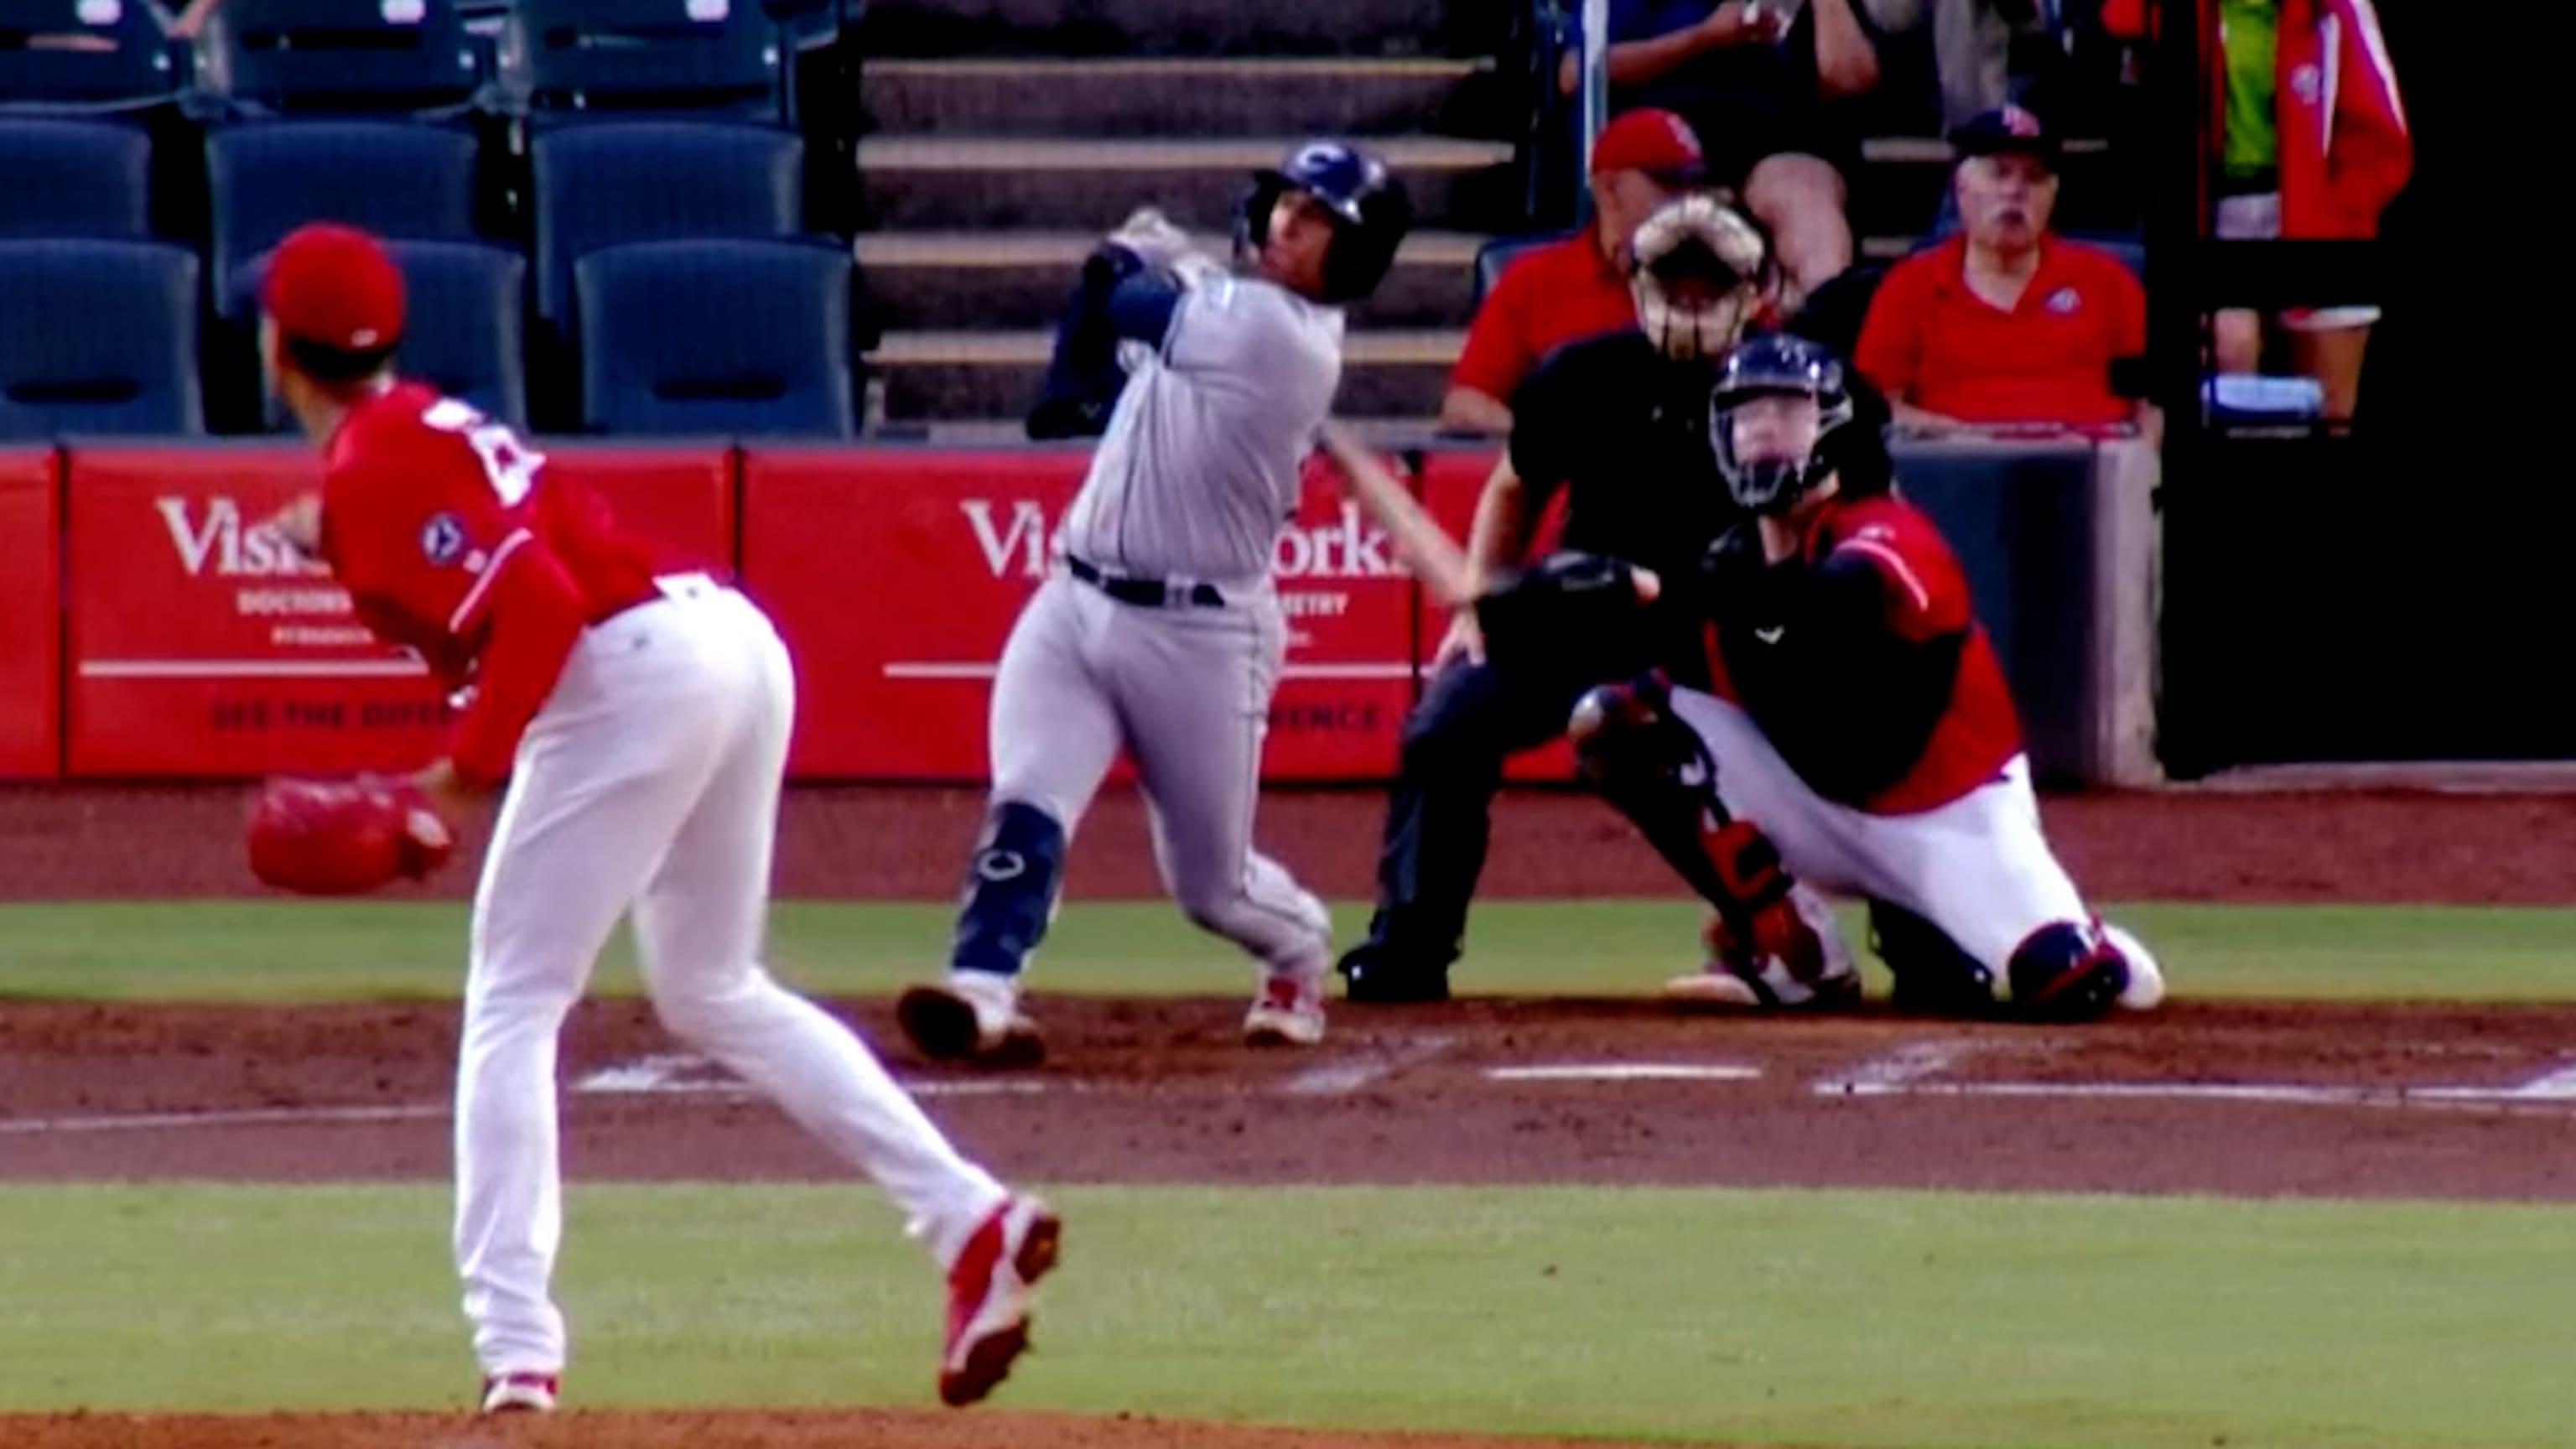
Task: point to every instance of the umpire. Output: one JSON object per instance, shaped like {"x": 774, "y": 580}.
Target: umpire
{"x": 1620, "y": 422}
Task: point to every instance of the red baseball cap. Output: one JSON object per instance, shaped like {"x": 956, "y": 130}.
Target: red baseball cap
{"x": 1648, "y": 139}
{"x": 334, "y": 286}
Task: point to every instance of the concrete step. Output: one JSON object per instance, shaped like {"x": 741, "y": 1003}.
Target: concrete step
{"x": 1386, "y": 372}
{"x": 1169, "y": 27}
{"x": 1181, "y": 96}
{"x": 1005, "y": 183}
{"x": 1023, "y": 279}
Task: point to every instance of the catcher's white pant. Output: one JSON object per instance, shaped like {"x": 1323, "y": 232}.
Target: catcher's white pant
{"x": 651, "y": 779}
{"x": 1979, "y": 867}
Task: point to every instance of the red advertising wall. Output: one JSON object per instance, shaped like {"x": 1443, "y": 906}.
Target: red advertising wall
{"x": 30, "y": 615}
{"x": 200, "y": 646}
{"x": 896, "y": 575}
{"x": 1451, "y": 484}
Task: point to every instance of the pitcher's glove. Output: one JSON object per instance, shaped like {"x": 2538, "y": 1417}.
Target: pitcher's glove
{"x": 1567, "y": 605}
{"x": 344, "y": 837}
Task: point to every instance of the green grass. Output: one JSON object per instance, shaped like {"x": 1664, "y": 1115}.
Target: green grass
{"x": 1908, "y": 1320}
{"x": 261, "y": 950}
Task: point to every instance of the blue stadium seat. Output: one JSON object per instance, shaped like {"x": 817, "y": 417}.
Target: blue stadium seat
{"x": 74, "y": 55}
{"x": 463, "y": 333}
{"x": 717, "y": 337}
{"x": 610, "y": 184}
{"x": 74, "y": 179}
{"x": 643, "y": 55}
{"x": 102, "y": 338}
{"x": 399, "y": 180}
{"x": 330, "y": 55}
{"x": 1496, "y": 255}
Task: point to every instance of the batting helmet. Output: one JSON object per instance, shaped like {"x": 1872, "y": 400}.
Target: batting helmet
{"x": 1370, "y": 211}
{"x": 1770, "y": 477}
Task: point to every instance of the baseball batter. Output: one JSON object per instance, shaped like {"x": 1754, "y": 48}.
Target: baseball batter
{"x": 1856, "y": 736}
{"x": 642, "y": 715}
{"x": 1159, "y": 632}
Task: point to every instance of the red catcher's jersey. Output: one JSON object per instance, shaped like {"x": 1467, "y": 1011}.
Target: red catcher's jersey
{"x": 453, "y": 541}
{"x": 1901, "y": 711}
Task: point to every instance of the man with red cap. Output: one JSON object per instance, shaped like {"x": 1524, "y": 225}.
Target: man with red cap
{"x": 1578, "y": 287}
{"x": 642, "y": 715}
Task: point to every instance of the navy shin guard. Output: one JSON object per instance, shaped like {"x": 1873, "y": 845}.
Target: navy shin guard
{"x": 1010, "y": 890}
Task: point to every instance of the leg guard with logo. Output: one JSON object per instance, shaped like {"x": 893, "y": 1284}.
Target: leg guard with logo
{"x": 1658, "y": 773}
{"x": 1010, "y": 890}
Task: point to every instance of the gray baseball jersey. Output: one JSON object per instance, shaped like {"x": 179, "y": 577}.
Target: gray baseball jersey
{"x": 1193, "y": 480}
{"x": 1198, "y": 468}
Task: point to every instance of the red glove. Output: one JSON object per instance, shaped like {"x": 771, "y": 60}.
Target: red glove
{"x": 344, "y": 837}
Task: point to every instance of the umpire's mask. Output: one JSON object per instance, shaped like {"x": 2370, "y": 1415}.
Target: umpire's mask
{"x": 1700, "y": 270}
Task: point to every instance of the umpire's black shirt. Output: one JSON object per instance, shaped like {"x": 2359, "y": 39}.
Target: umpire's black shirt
{"x": 1624, "y": 429}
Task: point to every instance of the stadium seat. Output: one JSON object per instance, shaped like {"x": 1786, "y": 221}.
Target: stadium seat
{"x": 462, "y": 333}
{"x": 1499, "y": 253}
{"x": 79, "y": 55}
{"x": 102, "y": 338}
{"x": 402, "y": 181}
{"x": 330, "y": 55}
{"x": 717, "y": 337}
{"x": 74, "y": 179}
{"x": 643, "y": 55}
{"x": 610, "y": 184}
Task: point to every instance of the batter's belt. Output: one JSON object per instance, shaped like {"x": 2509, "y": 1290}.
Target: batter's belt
{"x": 1146, "y": 593}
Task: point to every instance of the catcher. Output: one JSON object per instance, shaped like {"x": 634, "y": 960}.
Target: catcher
{"x": 1854, "y": 735}
{"x": 1617, "y": 425}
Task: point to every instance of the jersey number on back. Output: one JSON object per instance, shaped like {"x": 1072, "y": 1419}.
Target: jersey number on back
{"x": 510, "y": 464}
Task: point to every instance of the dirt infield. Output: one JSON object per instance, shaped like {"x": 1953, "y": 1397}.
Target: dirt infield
{"x": 2309, "y": 1100}
{"x": 910, "y": 843}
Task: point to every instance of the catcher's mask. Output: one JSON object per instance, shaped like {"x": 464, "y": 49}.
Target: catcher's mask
{"x": 1700, "y": 270}
{"x": 1778, "y": 401}
{"x": 1370, "y": 212}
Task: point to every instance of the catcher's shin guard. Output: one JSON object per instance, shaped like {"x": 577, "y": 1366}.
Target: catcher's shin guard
{"x": 1655, "y": 771}
{"x": 2067, "y": 972}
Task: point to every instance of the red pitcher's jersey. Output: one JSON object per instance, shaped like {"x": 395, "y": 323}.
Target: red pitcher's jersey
{"x": 452, "y": 541}
{"x": 1861, "y": 661}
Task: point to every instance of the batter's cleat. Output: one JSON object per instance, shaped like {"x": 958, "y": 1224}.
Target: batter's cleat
{"x": 1288, "y": 1012}
{"x": 988, "y": 1297}
{"x": 521, "y": 1393}
{"x": 973, "y": 1016}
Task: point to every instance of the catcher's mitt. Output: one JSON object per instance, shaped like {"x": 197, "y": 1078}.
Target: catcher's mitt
{"x": 344, "y": 837}
{"x": 1562, "y": 607}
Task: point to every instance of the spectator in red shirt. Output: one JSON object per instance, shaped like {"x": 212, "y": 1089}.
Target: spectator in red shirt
{"x": 2005, "y": 324}
{"x": 1578, "y": 287}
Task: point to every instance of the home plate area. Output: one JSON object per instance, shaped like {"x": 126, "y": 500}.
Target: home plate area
{"x": 2312, "y": 1099}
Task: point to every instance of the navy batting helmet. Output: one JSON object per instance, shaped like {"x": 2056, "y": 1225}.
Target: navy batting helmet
{"x": 1770, "y": 474}
{"x": 1369, "y": 208}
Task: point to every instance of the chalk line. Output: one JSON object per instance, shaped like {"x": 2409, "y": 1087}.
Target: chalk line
{"x": 1627, "y": 1072}
{"x": 1334, "y": 1079}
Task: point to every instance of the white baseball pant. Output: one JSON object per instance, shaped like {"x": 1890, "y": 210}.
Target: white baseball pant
{"x": 651, "y": 779}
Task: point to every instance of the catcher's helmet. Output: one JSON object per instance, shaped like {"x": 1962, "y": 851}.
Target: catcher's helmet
{"x": 1370, "y": 210}
{"x": 1771, "y": 478}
